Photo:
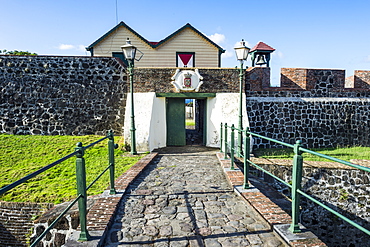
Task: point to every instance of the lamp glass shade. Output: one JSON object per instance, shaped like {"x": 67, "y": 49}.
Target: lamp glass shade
{"x": 129, "y": 50}
{"x": 241, "y": 51}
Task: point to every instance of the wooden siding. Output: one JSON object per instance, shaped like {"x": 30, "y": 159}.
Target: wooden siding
{"x": 206, "y": 55}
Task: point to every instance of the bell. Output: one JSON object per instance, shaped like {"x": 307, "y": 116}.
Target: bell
{"x": 261, "y": 60}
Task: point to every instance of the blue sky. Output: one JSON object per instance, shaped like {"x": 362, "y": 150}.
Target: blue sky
{"x": 305, "y": 34}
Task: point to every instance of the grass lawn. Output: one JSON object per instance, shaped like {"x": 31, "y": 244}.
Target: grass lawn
{"x": 189, "y": 122}
{"x": 340, "y": 153}
{"x": 22, "y": 155}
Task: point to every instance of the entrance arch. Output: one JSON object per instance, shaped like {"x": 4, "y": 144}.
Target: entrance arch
{"x": 177, "y": 135}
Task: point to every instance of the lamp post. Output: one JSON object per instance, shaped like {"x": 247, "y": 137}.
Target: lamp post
{"x": 129, "y": 51}
{"x": 241, "y": 54}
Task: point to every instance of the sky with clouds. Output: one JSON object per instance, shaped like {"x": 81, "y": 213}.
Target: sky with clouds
{"x": 305, "y": 34}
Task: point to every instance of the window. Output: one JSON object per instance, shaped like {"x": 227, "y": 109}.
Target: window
{"x": 120, "y": 56}
{"x": 185, "y": 59}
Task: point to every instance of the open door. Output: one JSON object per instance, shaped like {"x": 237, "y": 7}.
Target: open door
{"x": 175, "y": 117}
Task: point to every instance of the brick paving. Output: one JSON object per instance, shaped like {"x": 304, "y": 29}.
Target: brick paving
{"x": 184, "y": 199}
{"x": 102, "y": 212}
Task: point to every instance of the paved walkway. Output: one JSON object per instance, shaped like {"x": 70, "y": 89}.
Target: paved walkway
{"x": 184, "y": 199}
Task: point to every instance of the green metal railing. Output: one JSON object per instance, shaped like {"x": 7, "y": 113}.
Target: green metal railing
{"x": 80, "y": 181}
{"x": 229, "y": 148}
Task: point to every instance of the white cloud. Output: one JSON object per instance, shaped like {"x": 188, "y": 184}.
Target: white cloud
{"x": 80, "y": 48}
{"x": 217, "y": 38}
{"x": 228, "y": 53}
{"x": 66, "y": 47}
{"x": 278, "y": 54}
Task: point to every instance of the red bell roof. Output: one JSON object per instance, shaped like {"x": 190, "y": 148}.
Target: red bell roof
{"x": 262, "y": 47}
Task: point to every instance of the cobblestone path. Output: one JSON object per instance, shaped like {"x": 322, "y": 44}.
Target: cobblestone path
{"x": 183, "y": 199}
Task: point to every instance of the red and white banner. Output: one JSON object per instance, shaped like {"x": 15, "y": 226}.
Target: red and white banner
{"x": 185, "y": 60}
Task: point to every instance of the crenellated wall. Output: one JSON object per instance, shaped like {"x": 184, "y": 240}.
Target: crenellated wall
{"x": 311, "y": 105}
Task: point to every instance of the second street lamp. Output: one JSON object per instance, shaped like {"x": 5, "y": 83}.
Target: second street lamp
{"x": 129, "y": 52}
{"x": 241, "y": 54}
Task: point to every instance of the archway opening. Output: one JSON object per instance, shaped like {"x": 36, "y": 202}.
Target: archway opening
{"x": 194, "y": 121}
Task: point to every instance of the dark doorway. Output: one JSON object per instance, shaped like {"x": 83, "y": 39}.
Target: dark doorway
{"x": 195, "y": 134}
{"x": 185, "y": 121}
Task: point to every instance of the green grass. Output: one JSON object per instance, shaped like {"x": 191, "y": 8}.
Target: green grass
{"x": 189, "y": 122}
{"x": 340, "y": 153}
{"x": 22, "y": 155}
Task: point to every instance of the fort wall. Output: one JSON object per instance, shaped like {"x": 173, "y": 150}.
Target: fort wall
{"x": 43, "y": 95}
{"x": 311, "y": 105}
{"x": 87, "y": 95}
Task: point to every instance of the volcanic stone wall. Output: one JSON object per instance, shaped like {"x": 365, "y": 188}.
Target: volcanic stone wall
{"x": 311, "y": 105}
{"x": 61, "y": 95}
{"x": 342, "y": 188}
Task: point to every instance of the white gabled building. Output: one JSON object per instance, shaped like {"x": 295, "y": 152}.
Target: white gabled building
{"x": 186, "y": 47}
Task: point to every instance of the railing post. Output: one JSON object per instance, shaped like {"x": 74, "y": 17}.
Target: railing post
{"x": 81, "y": 190}
{"x": 221, "y": 139}
{"x": 111, "y": 147}
{"x": 296, "y": 185}
{"x": 246, "y": 152}
{"x": 240, "y": 142}
{"x": 225, "y": 157}
{"x": 232, "y": 144}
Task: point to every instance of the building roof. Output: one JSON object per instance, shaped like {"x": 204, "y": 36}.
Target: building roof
{"x": 262, "y": 47}
{"x": 154, "y": 44}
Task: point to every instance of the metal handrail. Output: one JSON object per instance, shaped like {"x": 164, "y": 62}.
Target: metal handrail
{"x": 81, "y": 183}
{"x": 296, "y": 175}
{"x": 34, "y": 174}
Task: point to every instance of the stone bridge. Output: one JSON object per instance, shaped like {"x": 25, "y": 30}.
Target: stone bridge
{"x": 87, "y": 95}
{"x": 184, "y": 197}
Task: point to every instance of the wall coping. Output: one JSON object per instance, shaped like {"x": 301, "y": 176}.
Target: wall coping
{"x": 315, "y": 164}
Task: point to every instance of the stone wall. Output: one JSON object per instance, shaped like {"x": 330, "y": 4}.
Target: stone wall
{"x": 257, "y": 78}
{"x": 308, "y": 79}
{"x": 362, "y": 79}
{"x": 45, "y": 95}
{"x": 215, "y": 80}
{"x": 16, "y": 221}
{"x": 312, "y": 105}
{"x": 63, "y": 229}
{"x": 340, "y": 187}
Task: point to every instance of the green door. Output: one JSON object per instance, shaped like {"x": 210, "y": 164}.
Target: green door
{"x": 175, "y": 115}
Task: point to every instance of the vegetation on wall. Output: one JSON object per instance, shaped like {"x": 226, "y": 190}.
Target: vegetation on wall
{"x": 15, "y": 52}
{"x": 22, "y": 155}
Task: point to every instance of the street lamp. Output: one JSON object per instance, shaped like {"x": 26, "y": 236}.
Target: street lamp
{"x": 241, "y": 54}
{"x": 129, "y": 51}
